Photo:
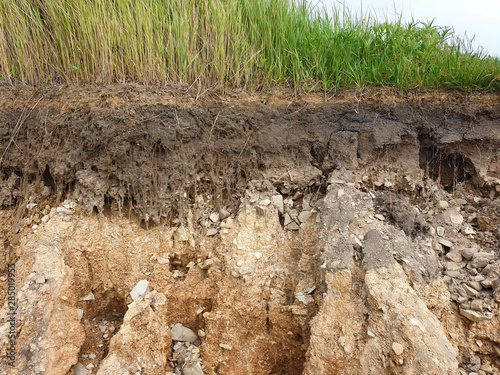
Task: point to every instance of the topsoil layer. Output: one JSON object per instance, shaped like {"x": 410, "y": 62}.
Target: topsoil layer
{"x": 151, "y": 151}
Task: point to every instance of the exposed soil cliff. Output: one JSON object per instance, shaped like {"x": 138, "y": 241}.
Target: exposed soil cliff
{"x": 354, "y": 236}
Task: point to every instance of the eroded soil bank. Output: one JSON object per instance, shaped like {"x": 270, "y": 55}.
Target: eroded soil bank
{"x": 354, "y": 236}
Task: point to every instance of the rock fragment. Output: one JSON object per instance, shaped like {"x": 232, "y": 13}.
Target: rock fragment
{"x": 304, "y": 216}
{"x": 445, "y": 242}
{"x": 181, "y": 333}
{"x": 277, "y": 201}
{"x": 40, "y": 279}
{"x": 214, "y": 217}
{"x": 469, "y": 252}
{"x": 80, "y": 369}
{"x": 224, "y": 214}
{"x": 211, "y": 232}
{"x": 265, "y": 202}
{"x": 397, "y": 348}
{"x": 475, "y": 316}
{"x": 181, "y": 234}
{"x": 88, "y": 297}
{"x": 140, "y": 290}
{"x": 454, "y": 256}
{"x": 456, "y": 219}
{"x": 442, "y": 205}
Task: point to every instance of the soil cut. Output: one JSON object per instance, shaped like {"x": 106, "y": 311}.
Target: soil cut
{"x": 358, "y": 235}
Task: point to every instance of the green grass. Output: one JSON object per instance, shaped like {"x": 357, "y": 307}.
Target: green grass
{"x": 249, "y": 44}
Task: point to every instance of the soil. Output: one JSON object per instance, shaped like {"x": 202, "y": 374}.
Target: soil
{"x": 140, "y": 170}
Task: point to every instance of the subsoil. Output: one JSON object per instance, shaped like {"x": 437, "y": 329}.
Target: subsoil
{"x": 139, "y": 171}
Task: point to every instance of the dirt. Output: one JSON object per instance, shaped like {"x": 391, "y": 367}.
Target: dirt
{"x": 125, "y": 181}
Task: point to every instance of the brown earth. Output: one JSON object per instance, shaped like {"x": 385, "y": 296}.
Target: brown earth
{"x": 357, "y": 235}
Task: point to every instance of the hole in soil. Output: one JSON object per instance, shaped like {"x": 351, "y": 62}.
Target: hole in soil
{"x": 102, "y": 319}
{"x": 179, "y": 262}
{"x": 48, "y": 180}
{"x": 447, "y": 169}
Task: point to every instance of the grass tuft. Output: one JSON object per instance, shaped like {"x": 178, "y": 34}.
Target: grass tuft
{"x": 250, "y": 44}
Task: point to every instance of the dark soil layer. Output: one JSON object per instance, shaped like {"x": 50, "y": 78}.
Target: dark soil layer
{"x": 151, "y": 151}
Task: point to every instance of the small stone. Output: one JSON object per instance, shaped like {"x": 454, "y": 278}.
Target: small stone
{"x": 277, "y": 201}
{"x": 476, "y": 305}
{"x": 181, "y": 234}
{"x": 140, "y": 290}
{"x": 162, "y": 260}
{"x": 306, "y": 206}
{"x": 452, "y": 266}
{"x": 456, "y": 219}
{"x": 288, "y": 219}
{"x": 181, "y": 333}
{"x": 226, "y": 346}
{"x": 458, "y": 298}
{"x": 475, "y": 284}
{"x": 470, "y": 291}
{"x": 440, "y": 231}
{"x": 397, "y": 348}
{"x": 79, "y": 312}
{"x": 80, "y": 369}
{"x": 479, "y": 262}
{"x": 487, "y": 368}
{"x": 224, "y": 214}
{"x": 103, "y": 328}
{"x": 88, "y": 297}
{"x": 266, "y": 202}
{"x": 489, "y": 256}
{"x": 442, "y": 205}
{"x": 478, "y": 278}
{"x": 487, "y": 283}
{"x": 292, "y": 226}
{"x": 214, "y": 217}
{"x": 69, "y": 204}
{"x": 445, "y": 242}
{"x": 258, "y": 254}
{"x": 31, "y": 206}
{"x": 454, "y": 256}
{"x": 379, "y": 217}
{"x": 63, "y": 210}
{"x": 211, "y": 232}
{"x": 40, "y": 279}
{"x": 455, "y": 274}
{"x": 261, "y": 211}
{"x": 92, "y": 356}
{"x": 192, "y": 368}
{"x": 304, "y": 216}
{"x": 206, "y": 264}
{"x": 469, "y": 231}
{"x": 469, "y": 252}
{"x": 201, "y": 333}
{"x": 475, "y": 316}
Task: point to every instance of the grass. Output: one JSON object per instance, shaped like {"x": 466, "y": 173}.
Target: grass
{"x": 249, "y": 44}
